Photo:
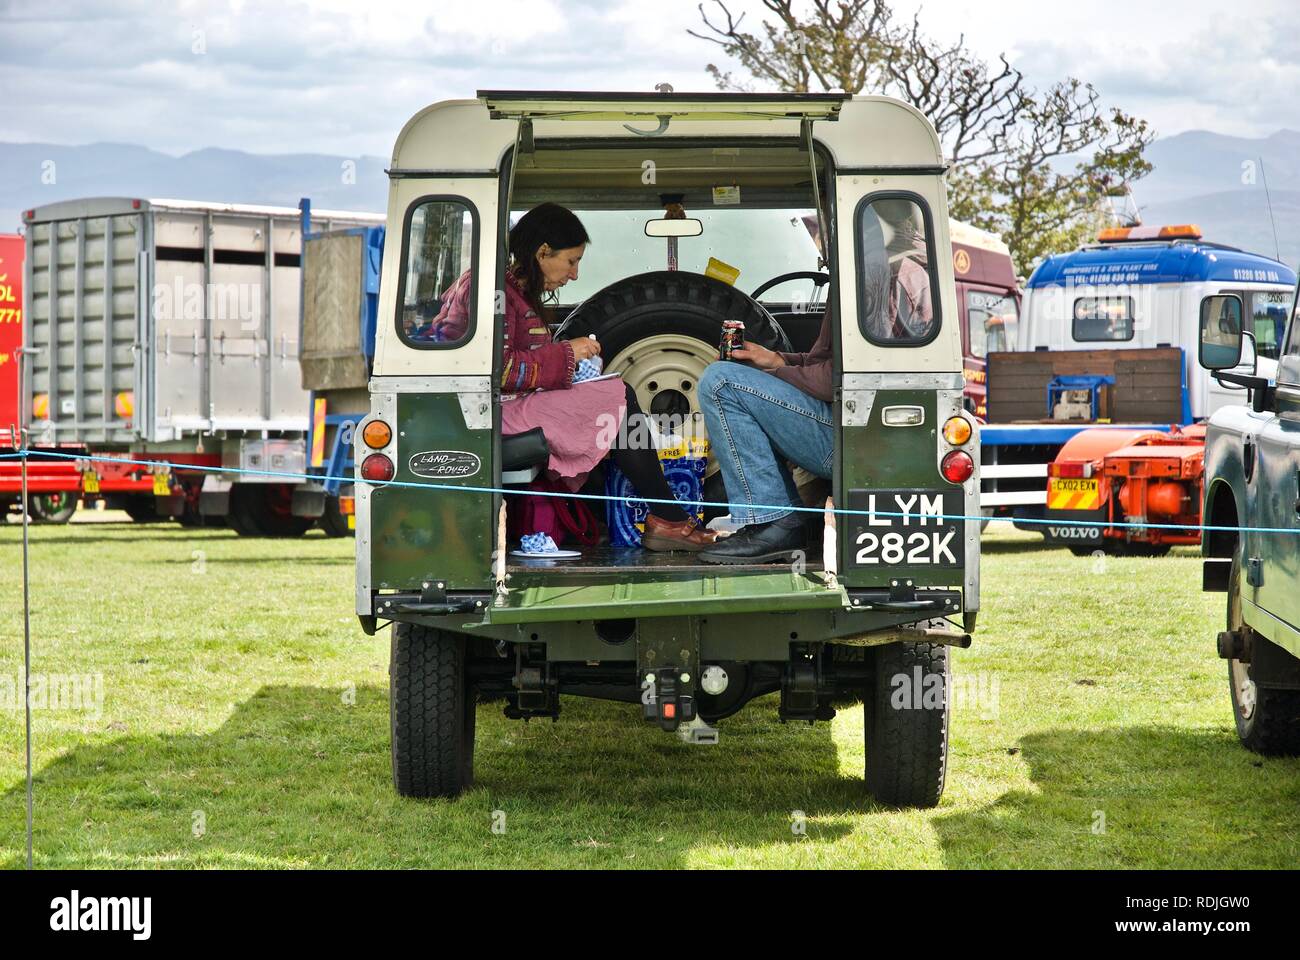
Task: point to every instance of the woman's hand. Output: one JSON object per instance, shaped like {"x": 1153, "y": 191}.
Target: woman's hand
{"x": 760, "y": 357}
{"x": 584, "y": 347}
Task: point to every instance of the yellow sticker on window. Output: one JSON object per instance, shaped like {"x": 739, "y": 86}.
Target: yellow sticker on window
{"x": 726, "y": 196}
{"x": 722, "y": 271}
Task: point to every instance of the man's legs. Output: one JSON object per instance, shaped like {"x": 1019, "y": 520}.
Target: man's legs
{"x": 756, "y": 422}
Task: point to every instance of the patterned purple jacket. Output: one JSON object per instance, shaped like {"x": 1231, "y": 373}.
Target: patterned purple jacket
{"x": 530, "y": 358}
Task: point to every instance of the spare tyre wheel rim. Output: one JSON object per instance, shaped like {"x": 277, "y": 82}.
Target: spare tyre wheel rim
{"x": 665, "y": 371}
{"x": 1245, "y": 688}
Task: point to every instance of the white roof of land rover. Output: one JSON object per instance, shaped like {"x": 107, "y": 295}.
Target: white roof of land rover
{"x": 470, "y": 136}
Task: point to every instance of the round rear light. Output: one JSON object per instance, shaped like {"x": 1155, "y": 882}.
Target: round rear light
{"x": 957, "y": 467}
{"x": 377, "y": 434}
{"x": 377, "y": 468}
{"x": 957, "y": 431}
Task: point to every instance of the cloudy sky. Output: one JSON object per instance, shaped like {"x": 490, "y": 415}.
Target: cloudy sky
{"x": 341, "y": 77}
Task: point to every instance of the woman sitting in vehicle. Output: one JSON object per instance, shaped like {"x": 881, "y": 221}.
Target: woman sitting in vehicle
{"x": 583, "y": 422}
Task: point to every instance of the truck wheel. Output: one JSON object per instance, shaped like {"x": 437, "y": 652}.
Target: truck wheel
{"x": 265, "y": 510}
{"x": 332, "y": 521}
{"x": 51, "y": 507}
{"x": 906, "y": 717}
{"x": 142, "y": 508}
{"x": 431, "y": 712}
{"x": 1268, "y": 721}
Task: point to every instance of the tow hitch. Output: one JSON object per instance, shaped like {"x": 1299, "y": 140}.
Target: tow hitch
{"x": 666, "y": 698}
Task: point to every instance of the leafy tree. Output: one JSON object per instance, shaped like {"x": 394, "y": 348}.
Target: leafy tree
{"x": 1035, "y": 166}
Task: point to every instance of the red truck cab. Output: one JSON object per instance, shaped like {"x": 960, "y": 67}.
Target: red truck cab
{"x": 988, "y": 299}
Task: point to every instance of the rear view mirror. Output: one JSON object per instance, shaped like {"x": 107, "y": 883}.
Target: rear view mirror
{"x": 1221, "y": 333}
{"x": 680, "y": 227}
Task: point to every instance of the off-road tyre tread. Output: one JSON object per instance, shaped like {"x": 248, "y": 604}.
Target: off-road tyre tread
{"x": 696, "y": 304}
{"x": 906, "y": 750}
{"x": 431, "y": 713}
{"x": 1275, "y": 731}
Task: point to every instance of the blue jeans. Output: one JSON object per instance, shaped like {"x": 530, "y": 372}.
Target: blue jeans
{"x": 756, "y": 422}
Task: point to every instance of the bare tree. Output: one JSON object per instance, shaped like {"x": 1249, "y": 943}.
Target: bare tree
{"x": 1010, "y": 146}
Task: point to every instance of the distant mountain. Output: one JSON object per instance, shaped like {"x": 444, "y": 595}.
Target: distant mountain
{"x": 1219, "y": 183}
{"x": 1240, "y": 218}
{"x": 1200, "y": 177}
{"x": 32, "y": 174}
{"x": 1199, "y": 163}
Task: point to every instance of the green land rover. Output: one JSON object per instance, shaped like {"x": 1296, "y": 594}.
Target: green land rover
{"x": 1252, "y": 536}
{"x": 789, "y": 191}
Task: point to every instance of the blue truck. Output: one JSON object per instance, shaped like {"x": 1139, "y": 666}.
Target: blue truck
{"x": 340, "y": 301}
{"x": 1107, "y": 342}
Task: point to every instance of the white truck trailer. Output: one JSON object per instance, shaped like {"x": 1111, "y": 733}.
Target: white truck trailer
{"x": 167, "y": 331}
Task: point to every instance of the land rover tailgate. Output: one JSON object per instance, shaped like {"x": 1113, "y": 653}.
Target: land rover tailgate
{"x": 564, "y": 600}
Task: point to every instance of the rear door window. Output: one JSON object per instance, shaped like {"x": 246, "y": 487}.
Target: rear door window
{"x": 436, "y": 298}
{"x": 898, "y": 297}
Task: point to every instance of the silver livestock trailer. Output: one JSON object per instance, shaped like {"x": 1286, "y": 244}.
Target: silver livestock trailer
{"x": 167, "y": 331}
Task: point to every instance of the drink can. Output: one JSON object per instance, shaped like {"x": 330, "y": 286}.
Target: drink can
{"x": 733, "y": 336}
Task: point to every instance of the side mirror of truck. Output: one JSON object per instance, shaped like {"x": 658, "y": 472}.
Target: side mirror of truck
{"x": 1221, "y": 332}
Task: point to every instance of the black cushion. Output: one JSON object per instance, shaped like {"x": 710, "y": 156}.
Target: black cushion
{"x": 522, "y": 450}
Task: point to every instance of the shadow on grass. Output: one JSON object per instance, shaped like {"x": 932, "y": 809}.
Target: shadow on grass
{"x": 1149, "y": 797}
{"x": 242, "y": 561}
{"x": 40, "y": 539}
{"x": 179, "y": 535}
{"x": 297, "y": 777}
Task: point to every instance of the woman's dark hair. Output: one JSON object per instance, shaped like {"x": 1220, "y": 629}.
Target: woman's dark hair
{"x": 550, "y": 224}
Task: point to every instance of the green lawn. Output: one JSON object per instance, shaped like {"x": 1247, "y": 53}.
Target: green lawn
{"x": 240, "y": 696}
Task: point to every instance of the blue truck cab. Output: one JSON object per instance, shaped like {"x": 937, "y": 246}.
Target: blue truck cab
{"x": 1123, "y": 313}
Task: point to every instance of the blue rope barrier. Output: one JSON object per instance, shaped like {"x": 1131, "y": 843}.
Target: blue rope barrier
{"x": 458, "y": 488}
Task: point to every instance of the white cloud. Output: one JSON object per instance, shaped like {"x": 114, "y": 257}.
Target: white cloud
{"x": 340, "y": 77}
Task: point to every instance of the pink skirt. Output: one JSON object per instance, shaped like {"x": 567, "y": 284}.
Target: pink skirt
{"x": 580, "y": 424}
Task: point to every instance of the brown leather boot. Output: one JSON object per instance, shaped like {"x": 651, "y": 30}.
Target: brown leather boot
{"x": 687, "y": 535}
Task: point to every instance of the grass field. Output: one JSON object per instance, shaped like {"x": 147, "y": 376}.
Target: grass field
{"x": 244, "y": 723}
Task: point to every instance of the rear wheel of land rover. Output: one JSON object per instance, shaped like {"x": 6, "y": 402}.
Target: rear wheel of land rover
{"x": 906, "y": 716}
{"x": 431, "y": 713}
{"x": 1268, "y": 720}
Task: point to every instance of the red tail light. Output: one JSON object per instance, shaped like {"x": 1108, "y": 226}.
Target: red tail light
{"x": 377, "y": 468}
{"x": 957, "y": 467}
{"x": 1070, "y": 469}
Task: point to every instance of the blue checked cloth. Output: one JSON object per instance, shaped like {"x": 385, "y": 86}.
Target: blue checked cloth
{"x": 537, "y": 543}
{"x": 588, "y": 369}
